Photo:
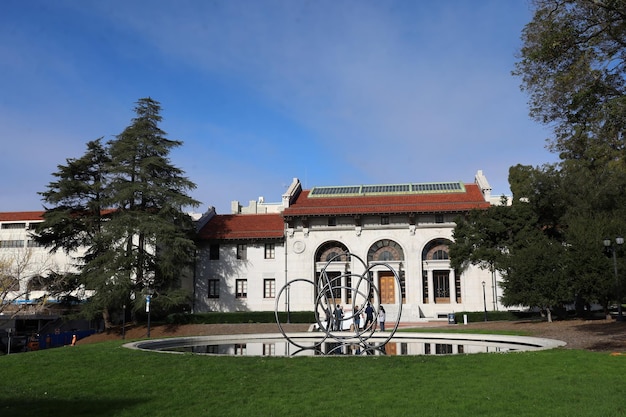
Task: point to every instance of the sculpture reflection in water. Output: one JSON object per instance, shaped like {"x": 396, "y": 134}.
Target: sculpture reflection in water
{"x": 349, "y": 332}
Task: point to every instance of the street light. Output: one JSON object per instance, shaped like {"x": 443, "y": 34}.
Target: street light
{"x": 610, "y": 246}
{"x": 124, "y": 321}
{"x": 288, "y": 307}
{"x": 148, "y": 299}
{"x": 484, "y": 300}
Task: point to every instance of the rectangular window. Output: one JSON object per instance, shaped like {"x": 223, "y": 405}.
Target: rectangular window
{"x": 443, "y": 349}
{"x": 242, "y": 251}
{"x": 269, "y": 349}
{"x": 438, "y": 218}
{"x": 332, "y": 221}
{"x": 457, "y": 286}
{"x": 13, "y": 226}
{"x": 214, "y": 288}
{"x": 214, "y": 252}
{"x": 11, "y": 243}
{"x": 269, "y": 288}
{"x": 241, "y": 349}
{"x": 425, "y": 287}
{"x": 270, "y": 251}
{"x": 241, "y": 288}
{"x": 384, "y": 220}
{"x": 33, "y": 244}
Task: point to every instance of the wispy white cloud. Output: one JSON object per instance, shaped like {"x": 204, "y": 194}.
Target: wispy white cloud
{"x": 333, "y": 91}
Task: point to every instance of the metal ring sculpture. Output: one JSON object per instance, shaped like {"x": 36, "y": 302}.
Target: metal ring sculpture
{"x": 365, "y": 290}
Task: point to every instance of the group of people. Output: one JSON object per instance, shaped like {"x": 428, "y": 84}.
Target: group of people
{"x": 367, "y": 313}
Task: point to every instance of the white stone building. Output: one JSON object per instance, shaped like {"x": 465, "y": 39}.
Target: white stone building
{"x": 247, "y": 257}
{"x": 25, "y": 262}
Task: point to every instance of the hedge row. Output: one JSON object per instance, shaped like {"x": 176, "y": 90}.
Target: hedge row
{"x": 241, "y": 317}
{"x": 309, "y": 317}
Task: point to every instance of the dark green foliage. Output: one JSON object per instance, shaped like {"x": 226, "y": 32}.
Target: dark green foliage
{"x": 124, "y": 203}
{"x": 549, "y": 255}
{"x": 241, "y": 317}
{"x": 549, "y": 245}
{"x": 572, "y": 64}
{"x": 77, "y": 196}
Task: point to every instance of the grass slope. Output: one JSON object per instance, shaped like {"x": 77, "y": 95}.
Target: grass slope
{"x": 108, "y": 380}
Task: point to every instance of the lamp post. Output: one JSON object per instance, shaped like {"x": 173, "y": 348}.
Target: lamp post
{"x": 610, "y": 246}
{"x": 288, "y": 307}
{"x": 9, "y": 331}
{"x": 124, "y": 321}
{"x": 484, "y": 301}
{"x": 148, "y": 298}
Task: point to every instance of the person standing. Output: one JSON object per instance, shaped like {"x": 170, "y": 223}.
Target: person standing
{"x": 369, "y": 316}
{"x": 381, "y": 318}
{"x": 338, "y": 317}
{"x": 356, "y": 314}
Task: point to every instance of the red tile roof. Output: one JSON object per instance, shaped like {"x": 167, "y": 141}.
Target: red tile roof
{"x": 243, "y": 226}
{"x": 21, "y": 216}
{"x": 388, "y": 204}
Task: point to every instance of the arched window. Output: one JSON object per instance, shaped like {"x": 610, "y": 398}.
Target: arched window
{"x": 436, "y": 250}
{"x": 332, "y": 256}
{"x": 385, "y": 250}
{"x": 36, "y": 283}
{"x": 332, "y": 250}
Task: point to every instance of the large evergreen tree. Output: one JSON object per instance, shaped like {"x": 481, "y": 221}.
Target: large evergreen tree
{"x": 150, "y": 236}
{"x": 74, "y": 218}
{"x": 124, "y": 204}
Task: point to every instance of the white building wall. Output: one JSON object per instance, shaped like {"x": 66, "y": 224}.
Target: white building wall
{"x": 228, "y": 269}
{"x": 28, "y": 260}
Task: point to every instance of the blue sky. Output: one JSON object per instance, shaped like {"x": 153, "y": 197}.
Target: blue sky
{"x": 334, "y": 92}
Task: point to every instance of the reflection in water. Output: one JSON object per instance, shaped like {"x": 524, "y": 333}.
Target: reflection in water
{"x": 284, "y": 348}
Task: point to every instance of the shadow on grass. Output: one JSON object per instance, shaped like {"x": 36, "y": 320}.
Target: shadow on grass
{"x": 56, "y": 407}
{"x": 612, "y": 332}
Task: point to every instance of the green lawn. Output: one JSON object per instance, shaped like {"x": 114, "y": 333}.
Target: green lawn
{"x": 108, "y": 380}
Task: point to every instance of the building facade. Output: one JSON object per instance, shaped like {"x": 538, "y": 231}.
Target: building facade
{"x": 25, "y": 263}
{"x": 399, "y": 233}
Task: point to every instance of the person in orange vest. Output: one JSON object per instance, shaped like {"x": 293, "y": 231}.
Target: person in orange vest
{"x": 73, "y": 340}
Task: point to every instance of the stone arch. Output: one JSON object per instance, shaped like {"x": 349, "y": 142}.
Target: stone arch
{"x": 37, "y": 283}
{"x": 436, "y": 250}
{"x": 329, "y": 250}
{"x": 440, "y": 283}
{"x": 385, "y": 250}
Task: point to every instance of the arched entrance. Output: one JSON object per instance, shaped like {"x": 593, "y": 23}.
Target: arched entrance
{"x": 440, "y": 285}
{"x": 389, "y": 252}
{"x": 334, "y": 256}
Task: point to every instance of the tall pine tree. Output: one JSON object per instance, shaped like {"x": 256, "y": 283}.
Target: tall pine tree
{"x": 123, "y": 204}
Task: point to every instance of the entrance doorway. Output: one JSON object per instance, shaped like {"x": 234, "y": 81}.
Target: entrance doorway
{"x": 387, "y": 286}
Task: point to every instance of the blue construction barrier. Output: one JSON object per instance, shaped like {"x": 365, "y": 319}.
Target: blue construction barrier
{"x": 52, "y": 340}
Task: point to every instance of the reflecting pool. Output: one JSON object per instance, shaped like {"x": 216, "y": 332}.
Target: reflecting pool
{"x": 308, "y": 344}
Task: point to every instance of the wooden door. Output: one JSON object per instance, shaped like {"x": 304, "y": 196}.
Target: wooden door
{"x": 387, "y": 287}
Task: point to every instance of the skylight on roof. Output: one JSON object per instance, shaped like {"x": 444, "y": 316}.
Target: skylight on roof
{"x": 388, "y": 189}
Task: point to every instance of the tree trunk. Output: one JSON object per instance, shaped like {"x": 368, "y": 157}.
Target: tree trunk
{"x": 106, "y": 316}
